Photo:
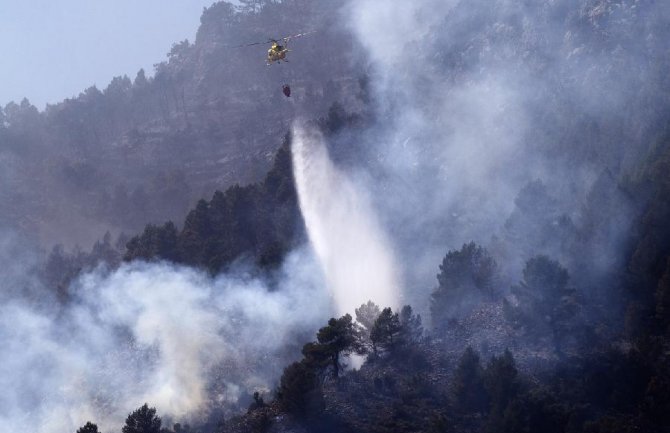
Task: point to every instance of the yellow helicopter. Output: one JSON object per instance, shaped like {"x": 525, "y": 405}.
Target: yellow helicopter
{"x": 277, "y": 52}
{"x": 279, "y": 48}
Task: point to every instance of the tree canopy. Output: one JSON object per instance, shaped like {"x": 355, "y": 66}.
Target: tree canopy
{"x": 142, "y": 420}
{"x": 466, "y": 276}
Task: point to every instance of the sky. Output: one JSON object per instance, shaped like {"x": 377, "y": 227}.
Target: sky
{"x": 54, "y": 49}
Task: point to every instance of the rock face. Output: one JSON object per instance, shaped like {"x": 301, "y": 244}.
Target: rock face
{"x": 145, "y": 150}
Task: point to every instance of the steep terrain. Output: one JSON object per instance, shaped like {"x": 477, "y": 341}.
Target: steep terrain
{"x": 518, "y": 152}
{"x": 146, "y": 149}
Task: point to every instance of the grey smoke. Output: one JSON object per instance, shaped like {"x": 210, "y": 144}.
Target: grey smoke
{"x": 468, "y": 114}
{"x": 171, "y": 336}
{"x": 470, "y": 103}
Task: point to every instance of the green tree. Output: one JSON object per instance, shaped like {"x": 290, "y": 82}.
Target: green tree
{"x": 340, "y": 337}
{"x": 140, "y": 79}
{"x": 198, "y": 231}
{"x": 501, "y": 383}
{"x": 104, "y": 252}
{"x": 316, "y": 355}
{"x": 299, "y": 389}
{"x": 466, "y": 276}
{"x": 143, "y": 420}
{"x": 546, "y": 304}
{"x": 252, "y": 6}
{"x": 88, "y": 428}
{"x": 386, "y": 332}
{"x": 178, "y": 428}
{"x": 23, "y": 117}
{"x": 411, "y": 329}
{"x": 468, "y": 383}
{"x": 155, "y": 242}
{"x": 366, "y": 315}
{"x": 261, "y": 220}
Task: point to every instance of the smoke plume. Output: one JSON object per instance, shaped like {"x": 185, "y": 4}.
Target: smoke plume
{"x": 174, "y": 337}
{"x": 476, "y": 100}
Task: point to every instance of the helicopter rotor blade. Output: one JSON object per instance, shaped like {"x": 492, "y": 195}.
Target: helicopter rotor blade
{"x": 251, "y": 44}
{"x": 246, "y": 45}
{"x": 299, "y": 35}
{"x": 271, "y": 40}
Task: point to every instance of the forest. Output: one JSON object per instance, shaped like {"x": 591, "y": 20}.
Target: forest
{"x": 488, "y": 185}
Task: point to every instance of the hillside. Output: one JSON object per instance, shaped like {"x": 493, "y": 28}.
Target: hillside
{"x": 146, "y": 148}
{"x": 485, "y": 182}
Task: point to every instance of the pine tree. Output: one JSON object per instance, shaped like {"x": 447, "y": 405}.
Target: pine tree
{"x": 143, "y": 420}
{"x": 546, "y": 304}
{"x": 501, "y": 383}
{"x": 468, "y": 383}
{"x": 411, "y": 329}
{"x": 366, "y": 316}
{"x": 386, "y": 331}
{"x": 466, "y": 276}
{"x": 88, "y": 428}
{"x": 340, "y": 337}
{"x": 299, "y": 391}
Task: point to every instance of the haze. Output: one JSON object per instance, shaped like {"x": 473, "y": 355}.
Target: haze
{"x": 52, "y": 50}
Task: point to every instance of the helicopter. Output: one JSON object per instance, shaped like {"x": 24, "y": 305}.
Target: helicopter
{"x": 279, "y": 48}
{"x": 277, "y": 52}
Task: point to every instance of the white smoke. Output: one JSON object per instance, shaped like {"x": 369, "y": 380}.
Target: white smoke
{"x": 356, "y": 257}
{"x": 174, "y": 337}
{"x": 470, "y": 106}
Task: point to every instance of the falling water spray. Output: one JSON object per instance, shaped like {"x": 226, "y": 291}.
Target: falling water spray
{"x": 352, "y": 248}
